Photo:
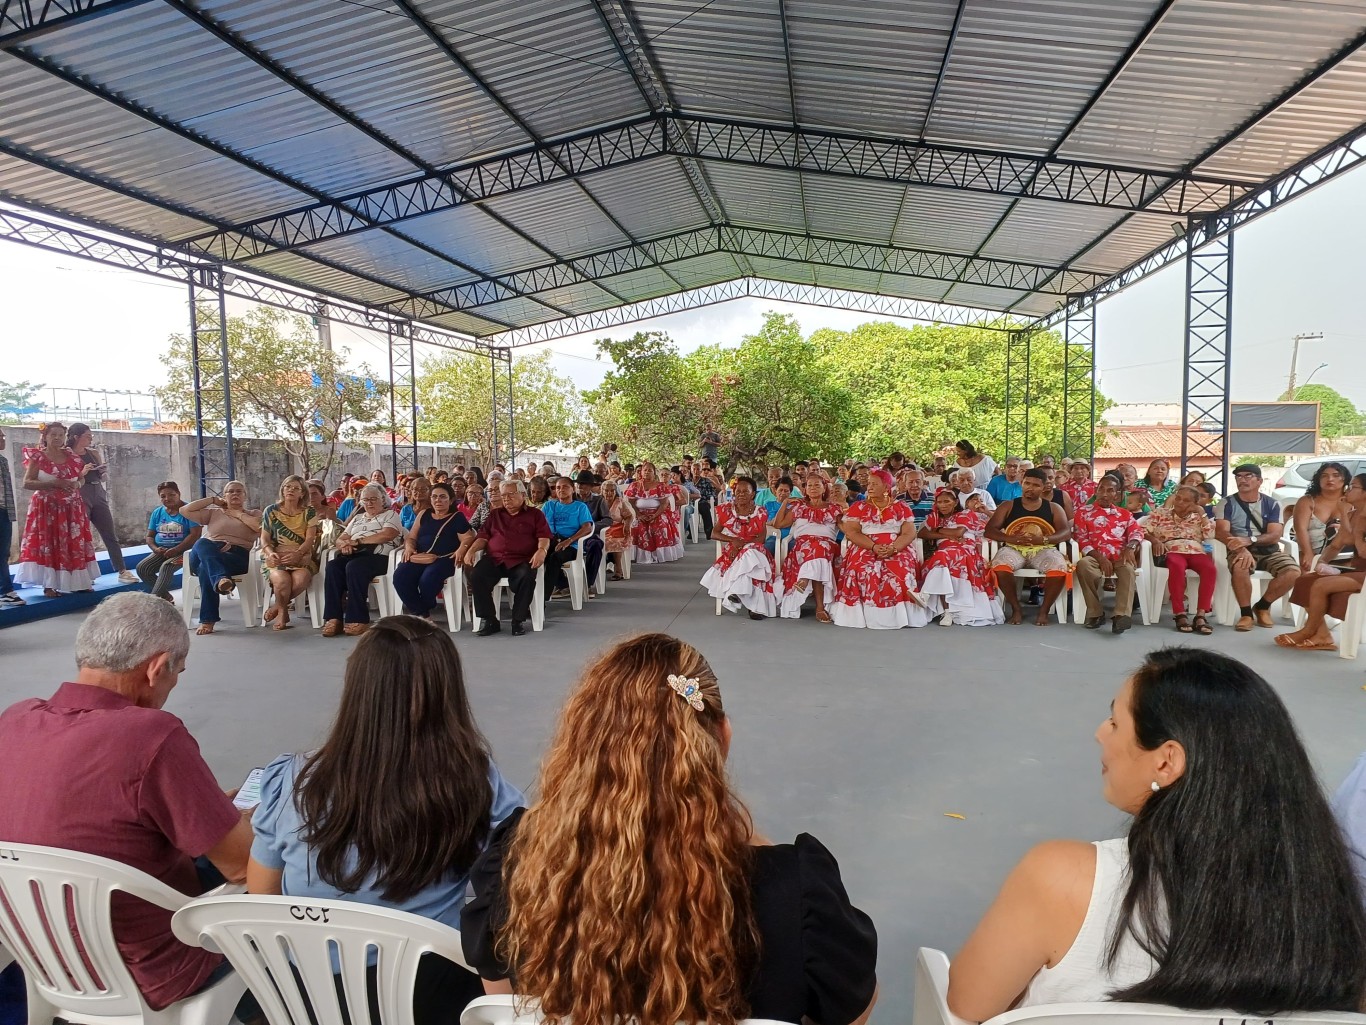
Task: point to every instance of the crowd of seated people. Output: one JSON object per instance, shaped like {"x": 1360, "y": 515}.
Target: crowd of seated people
{"x": 880, "y": 544}
{"x": 635, "y": 884}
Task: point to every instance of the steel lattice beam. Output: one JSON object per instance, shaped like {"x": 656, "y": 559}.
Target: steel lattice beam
{"x": 1018, "y": 351}
{"x": 759, "y": 288}
{"x": 863, "y": 157}
{"x": 1209, "y": 350}
{"x": 212, "y": 379}
{"x": 777, "y": 245}
{"x": 24, "y": 20}
{"x": 402, "y": 399}
{"x": 1079, "y": 384}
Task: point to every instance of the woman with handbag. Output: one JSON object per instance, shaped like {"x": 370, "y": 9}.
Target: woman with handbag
{"x": 435, "y": 544}
{"x": 362, "y": 554}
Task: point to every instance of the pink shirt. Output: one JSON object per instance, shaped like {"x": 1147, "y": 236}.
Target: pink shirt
{"x": 88, "y": 770}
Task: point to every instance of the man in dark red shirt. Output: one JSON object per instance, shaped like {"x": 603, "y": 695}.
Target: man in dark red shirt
{"x": 100, "y": 768}
{"x": 515, "y": 539}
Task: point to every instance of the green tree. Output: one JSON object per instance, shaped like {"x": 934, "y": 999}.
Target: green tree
{"x": 780, "y": 403}
{"x": 455, "y": 400}
{"x": 284, "y": 386}
{"x": 16, "y": 398}
{"x": 919, "y": 389}
{"x": 1337, "y": 413}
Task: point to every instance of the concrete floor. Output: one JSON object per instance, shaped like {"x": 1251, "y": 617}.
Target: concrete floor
{"x": 865, "y": 739}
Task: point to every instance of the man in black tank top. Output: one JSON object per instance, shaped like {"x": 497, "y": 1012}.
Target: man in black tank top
{"x": 1028, "y": 530}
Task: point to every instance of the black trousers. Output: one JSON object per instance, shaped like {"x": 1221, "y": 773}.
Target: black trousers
{"x": 555, "y": 561}
{"x": 486, "y": 574}
{"x": 704, "y": 509}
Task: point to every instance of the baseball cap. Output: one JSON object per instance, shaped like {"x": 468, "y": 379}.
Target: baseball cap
{"x": 1251, "y": 468}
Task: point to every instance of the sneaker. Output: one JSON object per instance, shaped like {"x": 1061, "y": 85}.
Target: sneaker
{"x": 127, "y": 576}
{"x": 11, "y": 601}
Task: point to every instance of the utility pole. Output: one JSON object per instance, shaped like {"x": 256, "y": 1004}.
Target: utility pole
{"x": 1289, "y": 395}
{"x": 323, "y": 324}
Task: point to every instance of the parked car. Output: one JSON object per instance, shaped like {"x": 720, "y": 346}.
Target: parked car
{"x": 1292, "y": 483}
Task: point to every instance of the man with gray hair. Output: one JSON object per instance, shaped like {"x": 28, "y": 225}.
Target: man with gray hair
{"x": 100, "y": 768}
{"x": 516, "y": 539}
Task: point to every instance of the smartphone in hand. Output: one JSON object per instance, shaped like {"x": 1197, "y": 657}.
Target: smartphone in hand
{"x": 249, "y": 793}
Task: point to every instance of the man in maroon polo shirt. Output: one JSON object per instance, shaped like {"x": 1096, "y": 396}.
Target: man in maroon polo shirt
{"x": 516, "y": 538}
{"x": 100, "y": 768}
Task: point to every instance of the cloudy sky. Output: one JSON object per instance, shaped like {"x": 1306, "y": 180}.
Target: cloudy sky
{"x": 73, "y": 324}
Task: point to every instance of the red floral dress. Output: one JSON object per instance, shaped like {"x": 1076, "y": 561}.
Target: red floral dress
{"x": 879, "y": 594}
{"x": 811, "y": 555}
{"x": 658, "y": 540}
{"x": 956, "y": 574}
{"x": 744, "y": 577}
{"x": 1080, "y": 492}
{"x": 58, "y": 550}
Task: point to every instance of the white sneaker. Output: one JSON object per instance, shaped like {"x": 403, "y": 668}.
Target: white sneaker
{"x": 947, "y": 620}
{"x": 11, "y": 601}
{"x": 127, "y": 576}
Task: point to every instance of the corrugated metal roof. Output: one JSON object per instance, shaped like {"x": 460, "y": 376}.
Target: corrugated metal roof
{"x": 485, "y": 138}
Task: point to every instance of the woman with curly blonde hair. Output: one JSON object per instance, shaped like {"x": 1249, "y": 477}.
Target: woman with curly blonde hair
{"x": 636, "y": 887}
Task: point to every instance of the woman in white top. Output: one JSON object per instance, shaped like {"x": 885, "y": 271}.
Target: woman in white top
{"x": 1233, "y": 889}
{"x": 983, "y": 467}
{"x": 362, "y": 553}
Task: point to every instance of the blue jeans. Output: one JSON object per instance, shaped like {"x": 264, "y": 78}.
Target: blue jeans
{"x": 417, "y": 586}
{"x": 211, "y": 561}
{"x": 6, "y": 536}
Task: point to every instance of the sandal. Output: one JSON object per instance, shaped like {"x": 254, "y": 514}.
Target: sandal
{"x": 823, "y": 617}
{"x": 1201, "y": 626}
{"x": 225, "y": 585}
{"x": 1183, "y": 624}
{"x": 271, "y": 613}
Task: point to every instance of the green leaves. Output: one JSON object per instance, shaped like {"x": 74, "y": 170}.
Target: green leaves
{"x": 1337, "y": 413}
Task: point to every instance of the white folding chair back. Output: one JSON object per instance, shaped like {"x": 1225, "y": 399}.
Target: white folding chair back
{"x": 291, "y": 952}
{"x": 249, "y": 591}
{"x": 537, "y": 600}
{"x": 931, "y": 1007}
{"x": 55, "y": 919}
{"x": 576, "y": 572}
{"x": 508, "y": 1009}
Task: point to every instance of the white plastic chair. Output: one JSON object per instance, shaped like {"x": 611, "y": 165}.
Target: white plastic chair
{"x": 1059, "y": 609}
{"x": 719, "y": 608}
{"x": 313, "y": 597}
{"x": 55, "y": 919}
{"x": 248, "y": 591}
{"x": 600, "y": 583}
{"x": 1226, "y": 605}
{"x": 1142, "y": 596}
{"x": 695, "y": 522}
{"x": 537, "y": 600}
{"x": 931, "y": 1007}
{"x": 1157, "y": 577}
{"x": 507, "y": 1009}
{"x": 453, "y": 597}
{"x": 292, "y": 950}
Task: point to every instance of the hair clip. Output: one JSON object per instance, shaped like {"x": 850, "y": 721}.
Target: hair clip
{"x": 689, "y": 689}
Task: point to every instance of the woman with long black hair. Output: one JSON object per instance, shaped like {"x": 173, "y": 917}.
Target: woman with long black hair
{"x": 395, "y": 805}
{"x": 79, "y": 438}
{"x": 1233, "y": 889}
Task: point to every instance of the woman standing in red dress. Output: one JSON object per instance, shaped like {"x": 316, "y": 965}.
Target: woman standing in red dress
{"x": 58, "y": 550}
{"x": 655, "y": 534}
{"x": 743, "y": 573}
{"x": 809, "y": 567}
{"x": 956, "y": 574}
{"x": 877, "y": 577}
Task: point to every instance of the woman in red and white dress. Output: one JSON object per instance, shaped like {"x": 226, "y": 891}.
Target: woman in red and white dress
{"x": 743, "y": 574}
{"x": 809, "y": 567}
{"x": 58, "y": 550}
{"x": 877, "y": 574}
{"x": 956, "y": 575}
{"x": 655, "y": 534}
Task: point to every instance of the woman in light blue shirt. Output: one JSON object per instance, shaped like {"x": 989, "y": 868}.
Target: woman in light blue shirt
{"x": 397, "y": 802}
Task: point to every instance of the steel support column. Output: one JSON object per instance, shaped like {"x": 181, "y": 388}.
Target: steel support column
{"x": 500, "y": 376}
{"x": 402, "y": 398}
{"x": 1209, "y": 351}
{"x": 512, "y": 413}
{"x": 1079, "y": 383}
{"x": 1017, "y": 393}
{"x": 212, "y": 383}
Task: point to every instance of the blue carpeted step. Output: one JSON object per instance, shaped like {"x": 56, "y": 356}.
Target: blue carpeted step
{"x": 108, "y": 583}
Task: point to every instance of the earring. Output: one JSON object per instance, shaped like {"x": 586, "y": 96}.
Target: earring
{"x": 1156, "y": 788}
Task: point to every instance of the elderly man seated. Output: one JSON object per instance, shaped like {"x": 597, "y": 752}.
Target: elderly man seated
{"x": 1002, "y": 488}
{"x": 516, "y": 538}
{"x": 571, "y": 529}
{"x": 101, "y": 768}
{"x": 964, "y": 483}
{"x": 1109, "y": 539}
{"x": 1029, "y": 529}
